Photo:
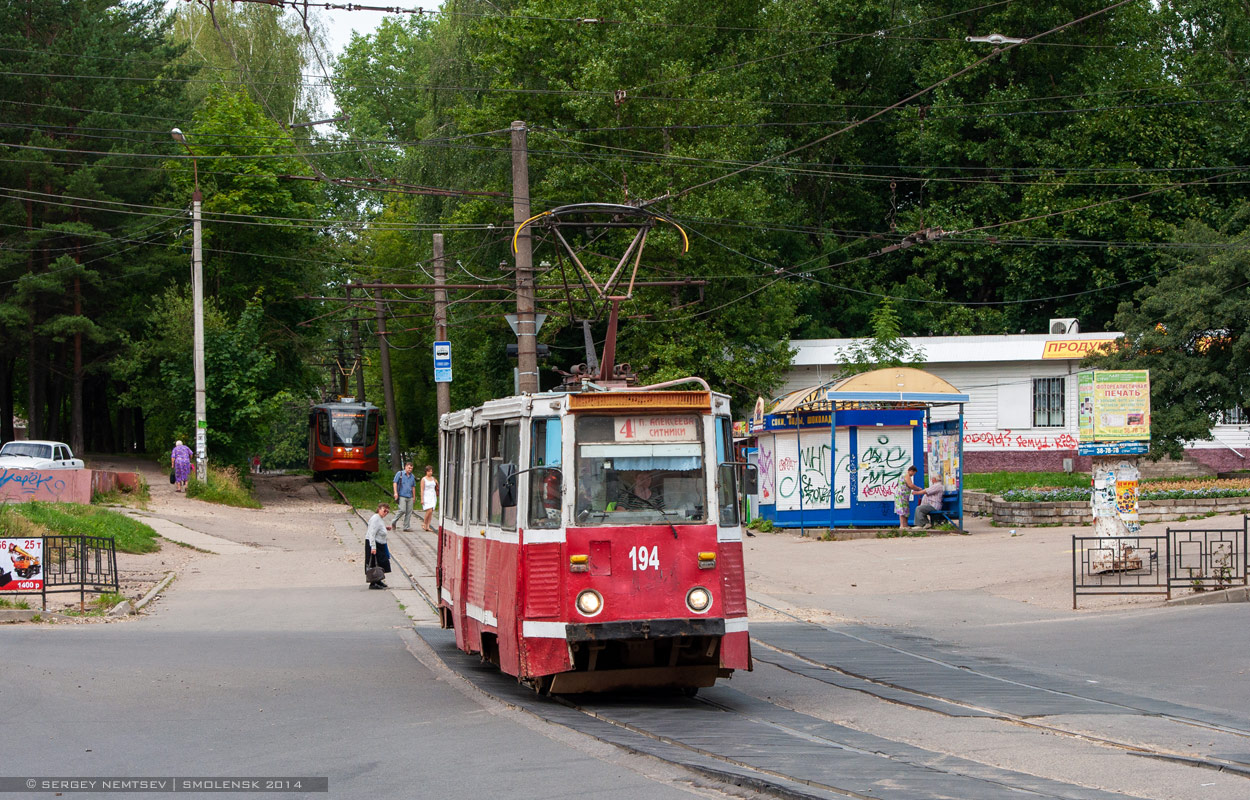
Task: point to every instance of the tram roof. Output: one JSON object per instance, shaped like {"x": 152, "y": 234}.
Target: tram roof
{"x": 361, "y": 405}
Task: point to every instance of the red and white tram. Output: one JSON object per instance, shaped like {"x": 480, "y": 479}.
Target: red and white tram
{"x": 592, "y": 540}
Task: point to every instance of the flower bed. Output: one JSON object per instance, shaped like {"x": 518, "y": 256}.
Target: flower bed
{"x": 1152, "y": 493}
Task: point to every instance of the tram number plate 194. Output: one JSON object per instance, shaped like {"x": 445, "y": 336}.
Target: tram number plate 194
{"x": 642, "y": 558}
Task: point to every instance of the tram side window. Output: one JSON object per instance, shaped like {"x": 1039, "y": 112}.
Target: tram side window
{"x": 371, "y": 432}
{"x": 505, "y": 448}
{"x": 451, "y": 475}
{"x": 454, "y": 476}
{"x": 545, "y": 477}
{"x": 323, "y": 427}
{"x": 726, "y": 475}
{"x": 478, "y": 480}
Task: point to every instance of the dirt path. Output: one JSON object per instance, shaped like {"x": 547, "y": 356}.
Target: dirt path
{"x": 296, "y": 520}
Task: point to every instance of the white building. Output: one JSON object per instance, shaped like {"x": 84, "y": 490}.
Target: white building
{"x": 1022, "y": 389}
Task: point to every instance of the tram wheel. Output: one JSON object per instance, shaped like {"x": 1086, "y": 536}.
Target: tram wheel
{"x": 690, "y": 691}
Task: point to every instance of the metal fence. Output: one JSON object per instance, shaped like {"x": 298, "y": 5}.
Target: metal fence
{"x": 1184, "y": 558}
{"x": 1205, "y": 560}
{"x": 1120, "y": 565}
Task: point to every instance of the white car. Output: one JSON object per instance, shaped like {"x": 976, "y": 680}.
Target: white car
{"x": 38, "y": 454}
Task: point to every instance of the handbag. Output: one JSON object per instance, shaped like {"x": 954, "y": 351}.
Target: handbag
{"x": 171, "y": 477}
{"x": 374, "y": 573}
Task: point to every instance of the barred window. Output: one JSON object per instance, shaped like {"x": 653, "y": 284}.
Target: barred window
{"x": 1235, "y": 416}
{"x": 1048, "y": 402}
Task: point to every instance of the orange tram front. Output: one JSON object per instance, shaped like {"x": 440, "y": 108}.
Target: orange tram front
{"x": 343, "y": 438}
{"x": 591, "y": 541}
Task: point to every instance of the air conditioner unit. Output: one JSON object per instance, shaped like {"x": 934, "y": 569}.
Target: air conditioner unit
{"x": 1061, "y": 326}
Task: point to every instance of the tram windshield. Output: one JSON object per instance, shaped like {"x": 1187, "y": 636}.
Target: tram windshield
{"x": 349, "y": 428}
{"x": 640, "y": 470}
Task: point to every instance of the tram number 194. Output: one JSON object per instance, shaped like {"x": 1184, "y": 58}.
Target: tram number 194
{"x": 643, "y": 559}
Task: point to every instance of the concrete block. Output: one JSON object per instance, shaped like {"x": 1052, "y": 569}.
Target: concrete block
{"x": 122, "y": 609}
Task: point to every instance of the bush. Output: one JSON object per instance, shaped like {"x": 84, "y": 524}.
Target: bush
{"x": 224, "y": 486}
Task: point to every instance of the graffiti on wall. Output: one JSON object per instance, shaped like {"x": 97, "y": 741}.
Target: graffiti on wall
{"x": 766, "y": 461}
{"x": 807, "y": 479}
{"x": 884, "y": 455}
{"x": 1005, "y": 439}
{"x": 34, "y": 484}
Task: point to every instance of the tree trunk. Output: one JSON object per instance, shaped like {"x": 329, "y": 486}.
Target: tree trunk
{"x": 34, "y": 389}
{"x": 77, "y": 441}
{"x": 6, "y": 398}
{"x": 141, "y": 445}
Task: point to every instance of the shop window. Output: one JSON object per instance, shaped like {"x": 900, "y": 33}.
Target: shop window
{"x": 1048, "y": 402}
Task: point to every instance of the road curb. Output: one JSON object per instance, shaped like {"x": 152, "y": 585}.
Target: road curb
{"x": 1240, "y": 594}
{"x": 150, "y": 596}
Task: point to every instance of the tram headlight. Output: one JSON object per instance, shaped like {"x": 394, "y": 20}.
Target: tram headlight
{"x": 698, "y": 599}
{"x": 589, "y": 602}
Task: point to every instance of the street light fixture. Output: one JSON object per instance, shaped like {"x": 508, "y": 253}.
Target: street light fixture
{"x": 994, "y": 38}
{"x": 197, "y": 300}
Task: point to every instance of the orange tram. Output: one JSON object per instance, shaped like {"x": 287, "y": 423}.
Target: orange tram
{"x": 592, "y": 540}
{"x": 343, "y": 438}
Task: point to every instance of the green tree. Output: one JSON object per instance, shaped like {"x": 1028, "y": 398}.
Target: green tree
{"x": 885, "y": 348}
{"x": 80, "y": 242}
{"x": 1192, "y": 331}
{"x": 245, "y": 395}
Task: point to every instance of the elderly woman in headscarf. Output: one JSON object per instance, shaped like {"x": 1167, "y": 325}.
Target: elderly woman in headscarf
{"x": 180, "y": 461}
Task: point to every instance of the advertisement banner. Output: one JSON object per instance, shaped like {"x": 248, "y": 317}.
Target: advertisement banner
{"x": 21, "y": 565}
{"x": 1113, "y": 405}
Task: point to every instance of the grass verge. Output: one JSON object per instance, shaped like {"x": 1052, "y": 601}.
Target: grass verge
{"x": 69, "y": 519}
{"x": 999, "y": 482}
{"x": 368, "y": 493}
{"x": 224, "y": 486}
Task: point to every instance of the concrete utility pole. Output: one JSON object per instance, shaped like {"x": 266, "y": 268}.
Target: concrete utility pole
{"x": 443, "y": 390}
{"x": 526, "y": 333}
{"x": 197, "y": 300}
{"x": 384, "y": 352}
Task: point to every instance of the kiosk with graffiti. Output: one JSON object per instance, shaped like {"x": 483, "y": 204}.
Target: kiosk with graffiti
{"x": 833, "y": 455}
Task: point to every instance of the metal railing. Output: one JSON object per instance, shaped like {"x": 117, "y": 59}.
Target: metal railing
{"x": 1201, "y": 559}
{"x": 82, "y": 564}
{"x": 1120, "y": 565}
{"x": 1205, "y": 560}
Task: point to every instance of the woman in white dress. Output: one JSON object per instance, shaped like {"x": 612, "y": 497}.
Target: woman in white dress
{"x": 429, "y": 496}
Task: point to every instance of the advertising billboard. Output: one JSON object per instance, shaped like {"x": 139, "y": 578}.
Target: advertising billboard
{"x": 1113, "y": 405}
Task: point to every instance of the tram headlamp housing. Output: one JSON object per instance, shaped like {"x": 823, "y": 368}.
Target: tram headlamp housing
{"x": 698, "y": 599}
{"x": 589, "y": 602}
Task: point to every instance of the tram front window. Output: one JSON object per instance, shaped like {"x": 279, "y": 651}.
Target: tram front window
{"x": 621, "y": 480}
{"x": 349, "y": 429}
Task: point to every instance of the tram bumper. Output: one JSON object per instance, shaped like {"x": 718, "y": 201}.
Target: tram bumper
{"x": 636, "y": 654}
{"x": 643, "y": 629}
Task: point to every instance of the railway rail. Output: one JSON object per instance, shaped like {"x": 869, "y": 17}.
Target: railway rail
{"x": 736, "y": 737}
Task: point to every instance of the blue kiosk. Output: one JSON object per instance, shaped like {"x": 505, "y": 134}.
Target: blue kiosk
{"x": 831, "y": 456}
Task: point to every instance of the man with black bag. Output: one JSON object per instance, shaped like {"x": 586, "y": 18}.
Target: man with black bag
{"x": 377, "y": 554}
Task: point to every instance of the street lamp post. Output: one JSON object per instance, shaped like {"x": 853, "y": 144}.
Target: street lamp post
{"x": 197, "y": 300}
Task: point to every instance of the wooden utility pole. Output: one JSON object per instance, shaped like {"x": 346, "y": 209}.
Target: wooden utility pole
{"x": 360, "y": 362}
{"x": 526, "y": 334}
{"x": 384, "y": 353}
{"x": 442, "y": 390}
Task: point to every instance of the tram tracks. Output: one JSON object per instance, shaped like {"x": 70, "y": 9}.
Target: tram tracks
{"x": 744, "y": 739}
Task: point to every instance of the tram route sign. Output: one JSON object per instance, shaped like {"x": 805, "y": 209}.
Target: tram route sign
{"x": 442, "y": 362}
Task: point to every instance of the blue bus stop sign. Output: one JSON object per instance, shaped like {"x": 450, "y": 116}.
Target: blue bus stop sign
{"x": 442, "y": 362}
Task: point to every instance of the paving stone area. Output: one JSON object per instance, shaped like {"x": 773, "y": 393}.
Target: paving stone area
{"x": 758, "y": 742}
{"x": 923, "y": 670}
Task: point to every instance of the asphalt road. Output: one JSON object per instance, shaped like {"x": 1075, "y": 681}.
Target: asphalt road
{"x": 279, "y": 662}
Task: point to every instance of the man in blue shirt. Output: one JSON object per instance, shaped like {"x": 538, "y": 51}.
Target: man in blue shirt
{"x": 404, "y": 483}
